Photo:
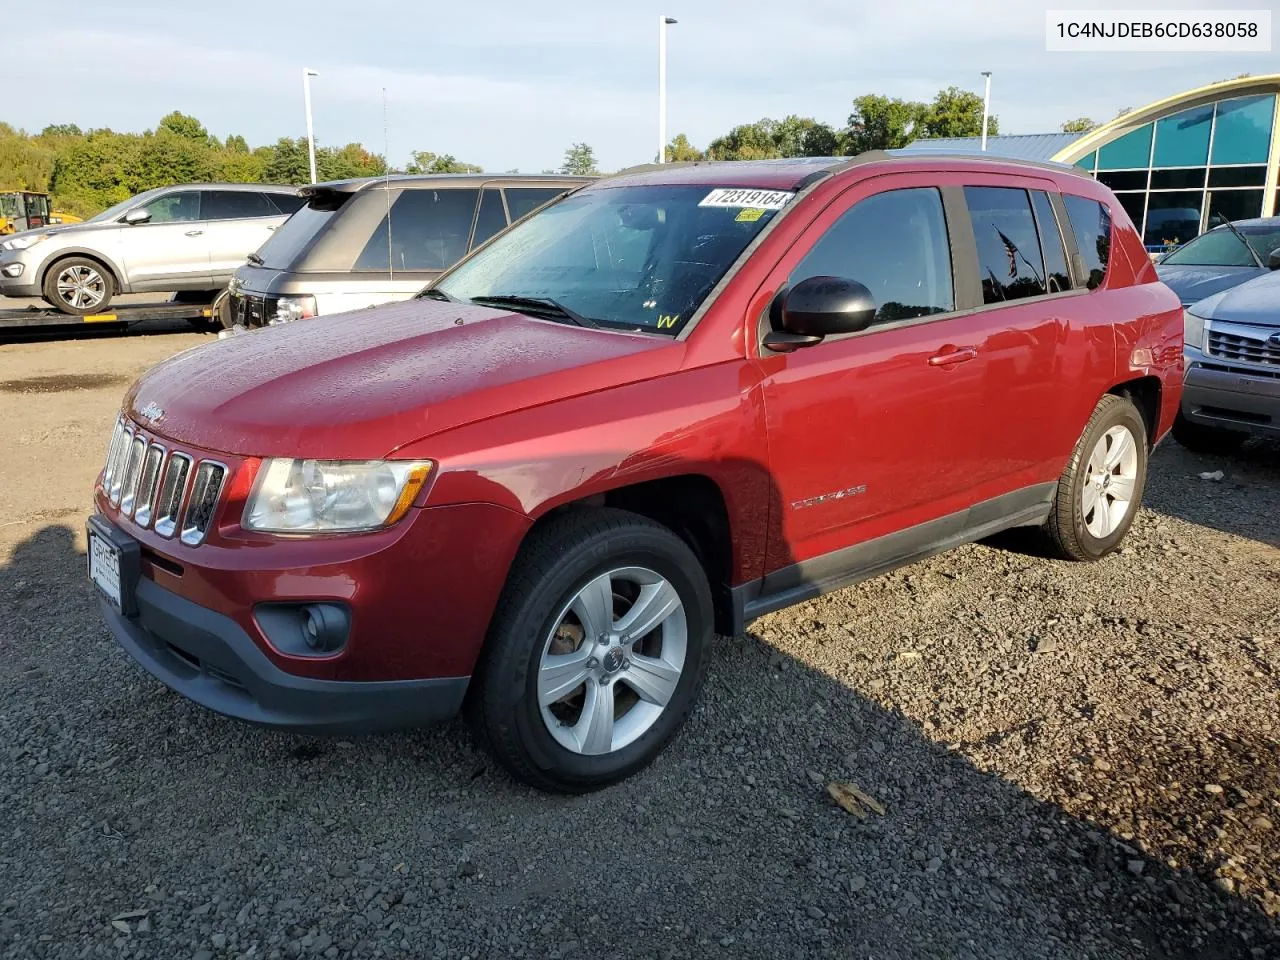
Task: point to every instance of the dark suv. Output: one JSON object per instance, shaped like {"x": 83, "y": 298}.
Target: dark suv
{"x": 358, "y": 243}
{"x": 670, "y": 403}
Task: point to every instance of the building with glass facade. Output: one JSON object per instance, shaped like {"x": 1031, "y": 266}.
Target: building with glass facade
{"x": 1175, "y": 163}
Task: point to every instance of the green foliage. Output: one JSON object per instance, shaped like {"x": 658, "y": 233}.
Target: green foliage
{"x": 681, "y": 150}
{"x": 956, "y": 113}
{"x": 767, "y": 139}
{"x": 62, "y": 130}
{"x": 1079, "y": 125}
{"x": 579, "y": 160}
{"x": 423, "y": 161}
{"x": 186, "y": 127}
{"x": 882, "y": 123}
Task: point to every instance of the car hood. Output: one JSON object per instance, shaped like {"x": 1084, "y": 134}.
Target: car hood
{"x": 359, "y": 385}
{"x": 62, "y": 228}
{"x": 1256, "y": 302}
{"x": 1193, "y": 283}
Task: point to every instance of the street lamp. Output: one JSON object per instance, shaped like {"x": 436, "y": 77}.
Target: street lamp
{"x": 307, "y": 74}
{"x": 662, "y": 87}
{"x": 986, "y": 109}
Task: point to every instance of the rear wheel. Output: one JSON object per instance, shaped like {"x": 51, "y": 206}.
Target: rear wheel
{"x": 596, "y": 653}
{"x": 78, "y": 286}
{"x": 1100, "y": 491}
{"x": 1201, "y": 439}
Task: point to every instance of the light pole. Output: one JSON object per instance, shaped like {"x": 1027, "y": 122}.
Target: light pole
{"x": 307, "y": 74}
{"x": 662, "y": 87}
{"x": 986, "y": 109}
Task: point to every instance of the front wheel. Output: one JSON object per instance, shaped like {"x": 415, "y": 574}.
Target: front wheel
{"x": 78, "y": 286}
{"x": 1099, "y": 493}
{"x": 596, "y": 654}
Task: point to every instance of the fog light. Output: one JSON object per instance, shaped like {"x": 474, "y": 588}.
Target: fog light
{"x": 324, "y": 627}
{"x": 13, "y": 270}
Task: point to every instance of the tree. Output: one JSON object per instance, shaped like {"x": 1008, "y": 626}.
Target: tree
{"x": 882, "y": 123}
{"x": 956, "y": 113}
{"x": 61, "y": 130}
{"x": 286, "y": 161}
{"x": 423, "y": 161}
{"x": 748, "y": 141}
{"x": 1079, "y": 125}
{"x": 184, "y": 126}
{"x": 579, "y": 160}
{"x": 680, "y": 150}
{"x": 237, "y": 144}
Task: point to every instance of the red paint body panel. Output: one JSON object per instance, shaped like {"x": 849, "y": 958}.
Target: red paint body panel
{"x": 521, "y": 416}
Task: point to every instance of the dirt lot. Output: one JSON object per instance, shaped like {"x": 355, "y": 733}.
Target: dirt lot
{"x": 1075, "y": 761}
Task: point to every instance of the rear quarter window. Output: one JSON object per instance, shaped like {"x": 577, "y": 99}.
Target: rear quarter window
{"x": 1091, "y": 224}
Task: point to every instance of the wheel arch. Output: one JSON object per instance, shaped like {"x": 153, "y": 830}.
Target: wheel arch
{"x": 95, "y": 255}
{"x": 1145, "y": 393}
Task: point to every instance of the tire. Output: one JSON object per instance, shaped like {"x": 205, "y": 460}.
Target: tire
{"x": 557, "y": 572}
{"x": 1091, "y": 482}
{"x": 1201, "y": 439}
{"x": 78, "y": 286}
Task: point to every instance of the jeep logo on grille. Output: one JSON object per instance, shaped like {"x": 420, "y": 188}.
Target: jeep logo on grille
{"x": 152, "y": 413}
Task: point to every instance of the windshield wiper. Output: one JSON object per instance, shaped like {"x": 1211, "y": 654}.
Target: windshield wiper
{"x": 254, "y": 258}
{"x": 542, "y": 307}
{"x": 1240, "y": 236}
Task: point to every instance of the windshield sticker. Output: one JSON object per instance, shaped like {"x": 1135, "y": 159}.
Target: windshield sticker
{"x": 747, "y": 197}
{"x": 750, "y": 215}
{"x": 667, "y": 321}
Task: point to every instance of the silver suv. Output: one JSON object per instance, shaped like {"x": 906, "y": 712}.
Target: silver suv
{"x": 186, "y": 238}
{"x": 358, "y": 243}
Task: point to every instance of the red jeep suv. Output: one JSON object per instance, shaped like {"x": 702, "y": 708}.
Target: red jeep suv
{"x": 658, "y": 408}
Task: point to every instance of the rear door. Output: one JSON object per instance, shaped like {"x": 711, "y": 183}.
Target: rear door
{"x": 171, "y": 250}
{"x": 238, "y": 223}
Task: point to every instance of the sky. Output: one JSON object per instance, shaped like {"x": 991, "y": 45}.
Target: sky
{"x": 510, "y": 84}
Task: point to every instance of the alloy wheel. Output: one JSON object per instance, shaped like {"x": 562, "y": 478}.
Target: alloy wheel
{"x": 1110, "y": 478}
{"x": 81, "y": 287}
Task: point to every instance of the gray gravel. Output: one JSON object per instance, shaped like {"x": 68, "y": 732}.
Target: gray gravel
{"x": 1074, "y": 761}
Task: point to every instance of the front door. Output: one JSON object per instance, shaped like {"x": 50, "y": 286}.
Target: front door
{"x": 170, "y": 251}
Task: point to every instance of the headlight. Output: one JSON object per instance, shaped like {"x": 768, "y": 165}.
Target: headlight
{"x": 289, "y": 309}
{"x": 1192, "y": 330}
{"x": 24, "y": 241}
{"x": 333, "y": 496}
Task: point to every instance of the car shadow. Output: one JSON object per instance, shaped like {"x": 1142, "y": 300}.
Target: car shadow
{"x": 123, "y": 800}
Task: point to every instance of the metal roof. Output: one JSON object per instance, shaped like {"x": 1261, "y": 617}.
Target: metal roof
{"x": 1026, "y": 146}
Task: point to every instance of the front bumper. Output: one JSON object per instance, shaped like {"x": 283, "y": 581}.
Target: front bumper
{"x": 1217, "y": 393}
{"x": 209, "y": 659}
{"x": 27, "y": 281}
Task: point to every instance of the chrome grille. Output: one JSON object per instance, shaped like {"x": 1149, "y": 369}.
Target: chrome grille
{"x": 132, "y": 474}
{"x": 147, "y": 484}
{"x": 121, "y": 460}
{"x": 1233, "y": 345}
{"x": 118, "y": 436}
{"x": 171, "y": 493}
{"x": 203, "y": 501}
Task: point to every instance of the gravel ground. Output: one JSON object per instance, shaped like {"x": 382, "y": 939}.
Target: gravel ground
{"x": 1074, "y": 761}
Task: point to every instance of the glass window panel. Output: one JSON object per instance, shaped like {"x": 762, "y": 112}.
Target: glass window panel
{"x": 1058, "y": 276}
{"x": 1237, "y": 176}
{"x": 429, "y": 230}
{"x": 1091, "y": 224}
{"x": 1131, "y": 151}
{"x": 520, "y": 200}
{"x": 1172, "y": 218}
{"x": 1182, "y": 140}
{"x": 1008, "y": 247}
{"x": 1087, "y": 161}
{"x": 1135, "y": 205}
{"x": 491, "y": 219}
{"x": 1235, "y": 204}
{"x": 1188, "y": 179}
{"x": 1243, "y": 130}
{"x": 1126, "y": 179}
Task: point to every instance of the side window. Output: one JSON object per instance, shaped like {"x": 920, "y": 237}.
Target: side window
{"x": 428, "y": 230}
{"x": 1008, "y": 248}
{"x": 175, "y": 207}
{"x": 236, "y": 205}
{"x": 287, "y": 203}
{"x": 1091, "y": 223}
{"x": 1057, "y": 276}
{"x": 894, "y": 243}
{"x": 491, "y": 219}
{"x": 521, "y": 200}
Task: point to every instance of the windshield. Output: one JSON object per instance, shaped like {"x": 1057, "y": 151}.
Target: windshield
{"x": 641, "y": 258}
{"x": 119, "y": 210}
{"x": 1222, "y": 248}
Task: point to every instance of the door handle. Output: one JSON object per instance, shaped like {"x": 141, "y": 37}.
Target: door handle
{"x": 193, "y": 233}
{"x": 950, "y": 354}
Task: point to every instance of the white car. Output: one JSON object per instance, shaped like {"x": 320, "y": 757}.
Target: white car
{"x": 188, "y": 238}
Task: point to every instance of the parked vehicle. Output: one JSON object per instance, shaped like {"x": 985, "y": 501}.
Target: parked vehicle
{"x": 23, "y": 210}
{"x": 1220, "y": 258}
{"x": 667, "y": 404}
{"x": 358, "y": 243}
{"x": 1232, "y": 388}
{"x": 187, "y": 238}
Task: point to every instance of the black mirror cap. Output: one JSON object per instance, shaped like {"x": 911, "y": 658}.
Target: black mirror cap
{"x": 1273, "y": 259}
{"x": 824, "y": 306}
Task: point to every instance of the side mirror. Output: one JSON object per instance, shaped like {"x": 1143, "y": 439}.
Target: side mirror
{"x": 1273, "y": 260}
{"x": 137, "y": 215}
{"x": 819, "y": 307}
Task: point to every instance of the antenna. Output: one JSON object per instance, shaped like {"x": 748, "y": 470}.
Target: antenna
{"x": 386, "y": 166}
